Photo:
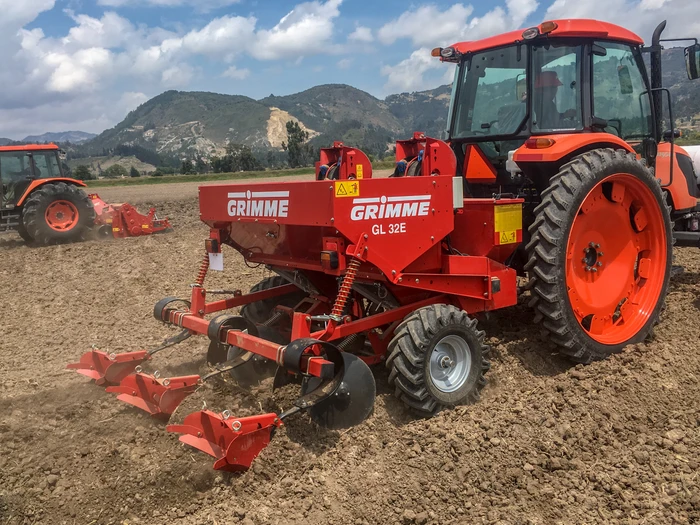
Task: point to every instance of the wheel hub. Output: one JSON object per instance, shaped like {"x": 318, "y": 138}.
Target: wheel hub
{"x": 450, "y": 363}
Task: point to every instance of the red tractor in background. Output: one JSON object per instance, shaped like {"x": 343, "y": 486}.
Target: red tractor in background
{"x": 558, "y": 169}
{"x": 44, "y": 206}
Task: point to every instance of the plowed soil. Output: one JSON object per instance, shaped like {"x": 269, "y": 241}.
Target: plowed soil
{"x": 549, "y": 443}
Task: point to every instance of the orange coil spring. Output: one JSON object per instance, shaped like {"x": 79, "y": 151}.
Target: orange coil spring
{"x": 345, "y": 288}
{"x": 203, "y": 269}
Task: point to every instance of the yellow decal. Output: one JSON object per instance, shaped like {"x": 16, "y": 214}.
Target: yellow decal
{"x": 144, "y": 226}
{"x": 116, "y": 230}
{"x": 359, "y": 172}
{"x": 347, "y": 188}
{"x": 509, "y": 237}
{"x": 508, "y": 218}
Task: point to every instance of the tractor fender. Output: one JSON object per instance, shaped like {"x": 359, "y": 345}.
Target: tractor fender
{"x": 541, "y": 164}
{"x": 683, "y": 186}
{"x": 40, "y": 182}
{"x": 567, "y": 146}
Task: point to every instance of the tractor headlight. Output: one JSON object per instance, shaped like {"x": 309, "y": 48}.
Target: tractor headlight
{"x": 448, "y": 52}
{"x": 531, "y": 33}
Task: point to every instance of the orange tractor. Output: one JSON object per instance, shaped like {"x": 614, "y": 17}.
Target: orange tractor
{"x": 44, "y": 206}
{"x": 558, "y": 169}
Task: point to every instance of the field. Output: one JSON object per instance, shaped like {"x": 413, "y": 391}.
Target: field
{"x": 549, "y": 443}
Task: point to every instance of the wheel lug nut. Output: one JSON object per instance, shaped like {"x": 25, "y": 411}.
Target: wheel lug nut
{"x": 588, "y": 268}
{"x": 583, "y": 260}
{"x": 600, "y": 254}
{"x": 591, "y": 244}
{"x": 597, "y": 245}
{"x": 600, "y": 264}
{"x": 594, "y": 270}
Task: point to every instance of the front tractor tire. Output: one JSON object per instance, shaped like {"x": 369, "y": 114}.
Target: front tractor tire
{"x": 437, "y": 359}
{"x": 57, "y": 213}
{"x": 599, "y": 258}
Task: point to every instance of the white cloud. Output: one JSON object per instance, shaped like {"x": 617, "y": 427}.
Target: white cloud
{"x": 235, "y": 73}
{"x": 307, "y": 29}
{"x": 361, "y": 34}
{"x": 200, "y": 5}
{"x": 345, "y": 63}
{"x": 429, "y": 27}
{"x": 222, "y": 37}
{"x": 639, "y": 16}
{"x": 18, "y": 13}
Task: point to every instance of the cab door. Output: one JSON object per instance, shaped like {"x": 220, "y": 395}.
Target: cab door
{"x": 16, "y": 173}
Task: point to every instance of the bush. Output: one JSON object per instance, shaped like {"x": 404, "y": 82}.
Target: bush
{"x": 82, "y": 172}
{"x": 134, "y": 172}
{"x": 115, "y": 171}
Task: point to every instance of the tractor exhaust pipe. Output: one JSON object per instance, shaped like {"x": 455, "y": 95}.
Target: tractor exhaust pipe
{"x": 656, "y": 78}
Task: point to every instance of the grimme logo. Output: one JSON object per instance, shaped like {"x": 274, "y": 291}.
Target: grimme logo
{"x": 258, "y": 204}
{"x": 390, "y": 207}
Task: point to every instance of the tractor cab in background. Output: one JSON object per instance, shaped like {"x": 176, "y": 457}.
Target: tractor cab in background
{"x": 20, "y": 166}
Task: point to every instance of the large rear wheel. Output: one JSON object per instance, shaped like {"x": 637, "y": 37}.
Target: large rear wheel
{"x": 600, "y": 254}
{"x": 58, "y": 212}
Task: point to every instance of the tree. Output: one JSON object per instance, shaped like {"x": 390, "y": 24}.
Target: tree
{"x": 187, "y": 167}
{"x": 82, "y": 172}
{"x": 238, "y": 158}
{"x": 115, "y": 171}
{"x": 299, "y": 152}
{"x": 134, "y": 172}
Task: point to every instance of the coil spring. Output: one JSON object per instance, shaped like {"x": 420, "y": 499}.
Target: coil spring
{"x": 345, "y": 288}
{"x": 203, "y": 269}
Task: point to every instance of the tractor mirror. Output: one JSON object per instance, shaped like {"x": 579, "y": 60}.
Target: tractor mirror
{"x": 599, "y": 51}
{"x": 692, "y": 61}
{"x": 623, "y": 74}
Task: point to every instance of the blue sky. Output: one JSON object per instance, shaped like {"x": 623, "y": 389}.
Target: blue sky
{"x": 83, "y": 64}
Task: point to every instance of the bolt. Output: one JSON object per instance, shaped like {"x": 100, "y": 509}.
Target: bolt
{"x": 588, "y": 268}
{"x": 366, "y": 248}
{"x": 366, "y": 236}
{"x": 332, "y": 219}
{"x": 400, "y": 279}
{"x": 591, "y": 244}
{"x": 417, "y": 281}
{"x": 583, "y": 260}
{"x": 600, "y": 264}
{"x": 600, "y": 254}
{"x": 486, "y": 294}
{"x": 432, "y": 238}
{"x": 446, "y": 362}
{"x": 393, "y": 272}
{"x": 597, "y": 246}
{"x": 594, "y": 270}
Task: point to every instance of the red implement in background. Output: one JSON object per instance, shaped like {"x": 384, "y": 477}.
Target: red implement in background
{"x": 124, "y": 220}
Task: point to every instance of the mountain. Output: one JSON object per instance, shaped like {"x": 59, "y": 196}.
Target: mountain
{"x": 74, "y": 137}
{"x": 5, "y": 142}
{"x": 176, "y": 123}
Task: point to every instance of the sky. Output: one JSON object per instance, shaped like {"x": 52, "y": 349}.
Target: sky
{"x": 84, "y": 64}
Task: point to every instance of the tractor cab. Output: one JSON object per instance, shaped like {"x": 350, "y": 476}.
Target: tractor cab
{"x": 543, "y": 95}
{"x": 21, "y": 165}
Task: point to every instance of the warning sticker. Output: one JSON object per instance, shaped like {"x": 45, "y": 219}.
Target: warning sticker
{"x": 347, "y": 188}
{"x": 508, "y": 218}
{"x": 510, "y": 237}
{"x": 359, "y": 171}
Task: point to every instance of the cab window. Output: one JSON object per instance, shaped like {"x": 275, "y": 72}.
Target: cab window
{"x": 46, "y": 165}
{"x": 556, "y": 87}
{"x": 620, "y": 95}
{"x": 14, "y": 165}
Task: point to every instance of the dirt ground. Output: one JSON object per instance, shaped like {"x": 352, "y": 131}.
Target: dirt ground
{"x": 614, "y": 442}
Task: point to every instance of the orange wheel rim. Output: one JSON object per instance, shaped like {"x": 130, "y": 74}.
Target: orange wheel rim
{"x": 62, "y": 216}
{"x": 616, "y": 259}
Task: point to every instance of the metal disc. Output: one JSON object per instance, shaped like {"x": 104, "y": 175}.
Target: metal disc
{"x": 353, "y": 401}
{"x": 258, "y": 368}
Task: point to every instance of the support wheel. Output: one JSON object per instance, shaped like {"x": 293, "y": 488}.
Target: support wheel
{"x": 437, "y": 359}
{"x": 261, "y": 311}
{"x": 58, "y": 212}
{"x": 600, "y": 254}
